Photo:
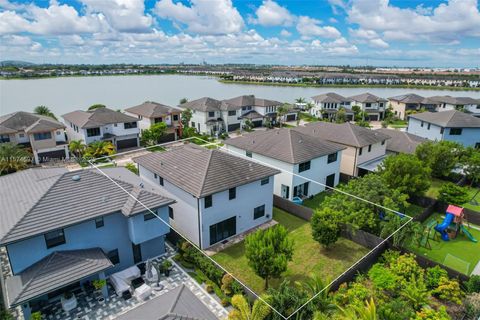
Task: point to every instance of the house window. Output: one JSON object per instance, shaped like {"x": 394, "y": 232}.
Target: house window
{"x": 193, "y": 124}
{"x": 4, "y": 138}
{"x": 248, "y": 154}
{"x": 428, "y": 127}
{"x": 259, "y": 212}
{"x": 211, "y": 114}
{"x": 421, "y": 124}
{"x": 441, "y": 130}
{"x": 223, "y": 230}
{"x": 54, "y": 238}
{"x": 42, "y": 135}
{"x": 115, "y": 124}
{"x": 130, "y": 125}
{"x": 113, "y": 256}
{"x": 158, "y": 120}
{"x": 148, "y": 216}
{"x": 21, "y": 135}
{"x": 332, "y": 157}
{"x": 369, "y": 148}
{"x": 175, "y": 117}
{"x": 161, "y": 181}
{"x": 170, "y": 212}
{"x": 232, "y": 193}
{"x": 265, "y": 181}
{"x": 155, "y": 176}
{"x": 455, "y": 131}
{"x": 360, "y": 151}
{"x": 92, "y": 132}
{"x": 304, "y": 166}
{"x": 99, "y": 222}
{"x": 58, "y": 133}
{"x": 208, "y": 201}
{"x": 383, "y": 142}
{"x": 232, "y": 113}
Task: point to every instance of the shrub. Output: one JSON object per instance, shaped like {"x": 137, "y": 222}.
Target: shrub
{"x": 36, "y": 316}
{"x": 132, "y": 167}
{"x": 382, "y": 277}
{"x": 396, "y": 309}
{"x": 225, "y": 302}
{"x": 237, "y": 288}
{"x": 451, "y": 193}
{"x": 448, "y": 290}
{"x": 473, "y": 284}
{"x": 209, "y": 287}
{"x": 433, "y": 275}
{"x": 472, "y": 305}
{"x": 325, "y": 230}
{"x": 227, "y": 281}
{"x": 428, "y": 313}
{"x": 357, "y": 294}
{"x": 415, "y": 291}
{"x": 390, "y": 257}
{"x": 407, "y": 267}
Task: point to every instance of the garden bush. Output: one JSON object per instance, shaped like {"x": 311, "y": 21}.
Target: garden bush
{"x": 473, "y": 284}
{"x": 472, "y": 305}
{"x": 448, "y": 290}
{"x": 209, "y": 287}
{"x": 407, "y": 267}
{"x": 433, "y": 275}
{"x": 382, "y": 277}
{"x": 396, "y": 309}
{"x": 428, "y": 313}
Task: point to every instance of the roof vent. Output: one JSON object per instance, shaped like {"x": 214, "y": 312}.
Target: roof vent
{"x": 76, "y": 177}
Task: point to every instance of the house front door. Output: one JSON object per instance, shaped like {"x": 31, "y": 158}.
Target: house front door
{"x": 285, "y": 191}
{"x": 137, "y": 253}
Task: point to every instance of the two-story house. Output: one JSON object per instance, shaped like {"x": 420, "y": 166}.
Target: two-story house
{"x": 207, "y": 115}
{"x": 326, "y": 106}
{"x": 301, "y": 159}
{"x": 371, "y": 104}
{"x": 150, "y": 112}
{"x": 467, "y": 104}
{"x": 217, "y": 195}
{"x": 61, "y": 228}
{"x": 365, "y": 148}
{"x": 402, "y": 104}
{"x": 103, "y": 124}
{"x": 450, "y": 125}
{"x": 44, "y": 135}
{"x": 401, "y": 141}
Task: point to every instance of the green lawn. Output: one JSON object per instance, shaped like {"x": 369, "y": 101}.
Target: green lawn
{"x": 471, "y": 203}
{"x": 308, "y": 258}
{"x": 305, "y": 116}
{"x": 461, "y": 247}
{"x": 437, "y": 183}
{"x": 316, "y": 201}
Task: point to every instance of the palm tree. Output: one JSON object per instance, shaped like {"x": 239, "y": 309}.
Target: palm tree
{"x": 183, "y": 100}
{"x": 300, "y": 100}
{"x": 44, "y": 111}
{"x": 309, "y": 106}
{"x": 242, "y": 310}
{"x": 281, "y": 112}
{"x": 77, "y": 147}
{"x": 314, "y": 285}
{"x": 366, "y": 312}
{"x": 13, "y": 158}
{"x": 99, "y": 149}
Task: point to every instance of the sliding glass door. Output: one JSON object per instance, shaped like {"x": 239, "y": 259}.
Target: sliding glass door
{"x": 223, "y": 230}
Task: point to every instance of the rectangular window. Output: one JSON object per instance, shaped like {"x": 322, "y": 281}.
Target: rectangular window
{"x": 332, "y": 157}
{"x": 248, "y": 154}
{"x": 232, "y": 113}
{"x": 441, "y": 130}
{"x": 170, "y": 212}
{"x": 208, "y": 201}
{"x": 58, "y": 133}
{"x": 113, "y": 256}
{"x": 421, "y": 124}
{"x": 383, "y": 142}
{"x": 264, "y": 181}
{"x": 130, "y": 125}
{"x": 161, "y": 181}
{"x": 232, "y": 193}
{"x": 193, "y": 124}
{"x": 304, "y": 166}
{"x": 175, "y": 117}
{"x": 369, "y": 148}
{"x": 54, "y": 238}
{"x": 114, "y": 124}
{"x": 155, "y": 176}
{"x": 42, "y": 136}
{"x": 148, "y": 216}
{"x": 211, "y": 114}
{"x": 158, "y": 120}
{"x": 360, "y": 151}
{"x": 4, "y": 138}
{"x": 21, "y": 135}
{"x": 428, "y": 127}
{"x": 259, "y": 212}
{"x": 455, "y": 131}
{"x": 223, "y": 230}
{"x": 99, "y": 222}
{"x": 93, "y": 132}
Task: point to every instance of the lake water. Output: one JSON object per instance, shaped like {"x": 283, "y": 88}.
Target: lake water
{"x": 63, "y": 95}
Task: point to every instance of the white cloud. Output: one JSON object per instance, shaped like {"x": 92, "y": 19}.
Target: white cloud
{"x": 332, "y": 20}
{"x": 285, "y": 33}
{"x": 271, "y": 13}
{"x": 11, "y": 22}
{"x": 309, "y": 27}
{"x": 369, "y": 37}
{"x": 203, "y": 16}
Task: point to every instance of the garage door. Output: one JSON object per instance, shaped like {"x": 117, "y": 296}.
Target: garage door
{"x": 127, "y": 143}
{"x": 233, "y": 127}
{"x": 167, "y": 137}
{"x": 52, "y": 155}
{"x": 257, "y": 123}
{"x": 291, "y": 117}
{"x": 373, "y": 117}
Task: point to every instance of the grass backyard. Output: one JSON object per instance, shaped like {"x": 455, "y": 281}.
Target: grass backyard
{"x": 435, "y": 188}
{"x": 308, "y": 258}
{"x": 461, "y": 248}
{"x": 307, "y": 117}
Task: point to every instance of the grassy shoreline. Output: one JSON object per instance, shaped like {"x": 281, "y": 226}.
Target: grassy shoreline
{"x": 347, "y": 85}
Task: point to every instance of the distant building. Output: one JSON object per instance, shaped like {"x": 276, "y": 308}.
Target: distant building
{"x": 103, "y": 124}
{"x": 327, "y": 105}
{"x": 467, "y": 104}
{"x": 298, "y": 154}
{"x": 401, "y": 141}
{"x": 450, "y": 125}
{"x": 44, "y": 135}
{"x": 371, "y": 104}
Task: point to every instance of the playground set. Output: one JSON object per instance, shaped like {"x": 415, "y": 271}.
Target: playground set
{"x": 452, "y": 225}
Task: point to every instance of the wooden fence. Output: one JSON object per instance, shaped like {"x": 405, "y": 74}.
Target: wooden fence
{"x": 292, "y": 208}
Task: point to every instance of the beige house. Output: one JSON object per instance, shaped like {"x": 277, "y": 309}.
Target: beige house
{"x": 365, "y": 148}
{"x": 44, "y": 135}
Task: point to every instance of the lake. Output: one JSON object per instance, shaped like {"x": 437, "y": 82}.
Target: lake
{"x": 63, "y": 95}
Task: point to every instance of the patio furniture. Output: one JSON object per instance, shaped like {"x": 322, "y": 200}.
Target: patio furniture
{"x": 137, "y": 282}
{"x": 151, "y": 274}
{"x": 143, "y": 292}
{"x": 69, "y": 304}
{"x": 121, "y": 280}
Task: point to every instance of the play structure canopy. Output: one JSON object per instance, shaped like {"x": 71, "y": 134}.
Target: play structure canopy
{"x": 456, "y": 211}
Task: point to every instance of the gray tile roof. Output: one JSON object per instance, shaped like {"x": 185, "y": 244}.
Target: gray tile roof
{"x": 201, "y": 172}
{"x": 36, "y": 201}
{"x": 97, "y": 117}
{"x": 408, "y": 98}
{"x": 401, "y": 141}
{"x": 346, "y": 133}
{"x": 152, "y": 109}
{"x": 203, "y": 104}
{"x": 56, "y": 270}
{"x": 251, "y": 100}
{"x": 285, "y": 145}
{"x": 252, "y": 114}
{"x": 331, "y": 97}
{"x": 177, "y": 304}
{"x": 454, "y": 100}
{"x": 449, "y": 119}
{"x": 28, "y": 122}
{"x": 367, "y": 98}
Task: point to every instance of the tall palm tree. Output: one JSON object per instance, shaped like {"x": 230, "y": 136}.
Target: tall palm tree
{"x": 77, "y": 147}
{"x": 13, "y": 158}
{"x": 99, "y": 149}
{"x": 242, "y": 310}
{"x": 300, "y": 100}
{"x": 44, "y": 111}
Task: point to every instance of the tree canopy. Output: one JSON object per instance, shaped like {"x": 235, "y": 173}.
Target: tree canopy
{"x": 152, "y": 136}
{"x": 44, "y": 111}
{"x": 451, "y": 193}
{"x": 13, "y": 158}
{"x": 96, "y": 106}
{"x": 441, "y": 157}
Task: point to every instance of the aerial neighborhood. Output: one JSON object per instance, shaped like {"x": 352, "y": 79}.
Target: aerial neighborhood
{"x": 158, "y": 211}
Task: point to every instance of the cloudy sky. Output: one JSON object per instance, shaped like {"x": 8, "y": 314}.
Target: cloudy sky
{"x": 355, "y": 32}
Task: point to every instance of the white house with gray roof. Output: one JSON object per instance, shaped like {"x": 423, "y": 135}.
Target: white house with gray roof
{"x": 372, "y": 105}
{"x": 44, "y": 135}
{"x": 300, "y": 157}
{"x": 103, "y": 124}
{"x": 326, "y": 105}
{"x": 217, "y": 195}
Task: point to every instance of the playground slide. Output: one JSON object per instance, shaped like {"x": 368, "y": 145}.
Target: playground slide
{"x": 468, "y": 234}
{"x": 444, "y": 225}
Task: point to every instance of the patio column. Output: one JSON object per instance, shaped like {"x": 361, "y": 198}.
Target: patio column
{"x": 27, "y": 310}
{"x": 101, "y": 276}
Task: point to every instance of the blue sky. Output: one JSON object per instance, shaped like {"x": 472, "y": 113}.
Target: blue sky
{"x": 431, "y": 33}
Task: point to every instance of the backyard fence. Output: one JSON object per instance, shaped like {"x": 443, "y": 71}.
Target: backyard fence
{"x": 293, "y": 208}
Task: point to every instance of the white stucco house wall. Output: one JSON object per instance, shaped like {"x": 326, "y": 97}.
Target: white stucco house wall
{"x": 217, "y": 195}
